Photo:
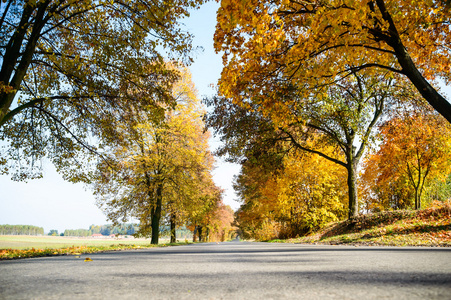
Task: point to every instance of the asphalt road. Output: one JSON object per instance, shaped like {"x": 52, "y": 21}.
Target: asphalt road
{"x": 235, "y": 270}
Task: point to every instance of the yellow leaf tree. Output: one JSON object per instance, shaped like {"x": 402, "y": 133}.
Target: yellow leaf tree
{"x": 303, "y": 195}
{"x": 315, "y": 43}
{"x": 162, "y": 168}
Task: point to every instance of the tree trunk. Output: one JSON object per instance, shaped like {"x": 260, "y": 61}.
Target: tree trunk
{"x": 199, "y": 231}
{"x": 352, "y": 191}
{"x": 173, "y": 231}
{"x": 194, "y": 234}
{"x": 157, "y": 215}
{"x": 438, "y": 102}
{"x": 12, "y": 74}
{"x": 417, "y": 206}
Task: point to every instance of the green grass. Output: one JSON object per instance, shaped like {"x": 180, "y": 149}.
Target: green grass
{"x": 22, "y": 242}
{"x": 13, "y": 247}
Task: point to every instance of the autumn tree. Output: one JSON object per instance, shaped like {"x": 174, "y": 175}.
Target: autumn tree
{"x": 304, "y": 195}
{"x": 221, "y": 228}
{"x": 161, "y": 167}
{"x": 267, "y": 45}
{"x": 257, "y": 189}
{"x": 71, "y": 71}
{"x": 341, "y": 116}
{"x": 212, "y": 220}
{"x": 379, "y": 191}
{"x": 312, "y": 194}
{"x": 415, "y": 147}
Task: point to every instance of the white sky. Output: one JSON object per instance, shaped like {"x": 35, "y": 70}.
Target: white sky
{"x": 53, "y": 203}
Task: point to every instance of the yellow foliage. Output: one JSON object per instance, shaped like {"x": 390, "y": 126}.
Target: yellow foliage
{"x": 308, "y": 193}
{"x": 270, "y": 45}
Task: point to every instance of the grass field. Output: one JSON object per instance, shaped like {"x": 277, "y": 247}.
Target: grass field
{"x": 21, "y": 242}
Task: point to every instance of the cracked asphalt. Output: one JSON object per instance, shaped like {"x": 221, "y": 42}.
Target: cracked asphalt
{"x": 235, "y": 270}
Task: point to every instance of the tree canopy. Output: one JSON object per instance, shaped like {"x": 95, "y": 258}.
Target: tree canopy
{"x": 320, "y": 77}
{"x": 72, "y": 71}
{"x": 414, "y": 151}
{"x": 269, "y": 45}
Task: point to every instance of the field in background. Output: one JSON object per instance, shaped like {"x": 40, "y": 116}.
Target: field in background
{"x": 21, "y": 242}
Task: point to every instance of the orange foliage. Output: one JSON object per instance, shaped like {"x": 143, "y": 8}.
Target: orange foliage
{"x": 415, "y": 149}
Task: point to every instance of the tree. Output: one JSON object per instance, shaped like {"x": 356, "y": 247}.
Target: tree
{"x": 221, "y": 229}
{"x": 161, "y": 168}
{"x": 415, "y": 148}
{"x": 380, "y": 191}
{"x": 21, "y": 230}
{"x": 53, "y": 232}
{"x": 71, "y": 71}
{"x": 341, "y": 116}
{"x": 209, "y": 217}
{"x": 304, "y": 195}
{"x": 317, "y": 43}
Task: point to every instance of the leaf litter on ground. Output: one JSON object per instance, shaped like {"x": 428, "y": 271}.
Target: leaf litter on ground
{"x": 428, "y": 227}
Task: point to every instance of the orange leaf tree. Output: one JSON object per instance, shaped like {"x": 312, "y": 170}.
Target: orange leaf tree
{"x": 415, "y": 148}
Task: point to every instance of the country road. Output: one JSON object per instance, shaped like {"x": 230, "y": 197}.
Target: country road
{"x": 235, "y": 270}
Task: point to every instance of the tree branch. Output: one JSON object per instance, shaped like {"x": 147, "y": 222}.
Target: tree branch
{"x": 297, "y": 145}
{"x": 32, "y": 103}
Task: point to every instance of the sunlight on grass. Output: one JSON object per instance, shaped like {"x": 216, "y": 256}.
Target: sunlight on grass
{"x": 28, "y": 242}
{"x": 428, "y": 227}
{"x": 12, "y": 247}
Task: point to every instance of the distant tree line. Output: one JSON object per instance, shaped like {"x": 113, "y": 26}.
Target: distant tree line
{"x": 21, "y": 230}
{"x": 123, "y": 229}
{"x": 182, "y": 233}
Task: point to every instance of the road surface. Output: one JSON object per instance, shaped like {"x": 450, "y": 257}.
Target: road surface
{"x": 235, "y": 270}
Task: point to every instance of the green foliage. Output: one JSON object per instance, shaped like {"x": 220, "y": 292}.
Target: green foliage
{"x": 438, "y": 189}
{"x": 21, "y": 230}
{"x": 77, "y": 232}
{"x": 120, "y": 229}
{"x": 72, "y": 72}
{"x": 53, "y": 232}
